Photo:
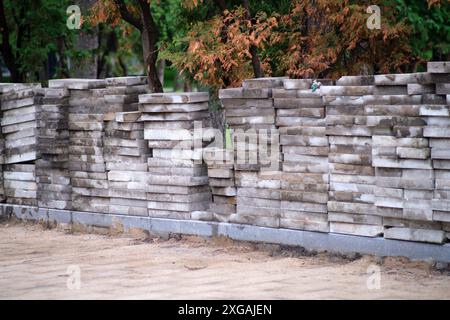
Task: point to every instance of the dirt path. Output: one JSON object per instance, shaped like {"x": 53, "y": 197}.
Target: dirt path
{"x": 44, "y": 264}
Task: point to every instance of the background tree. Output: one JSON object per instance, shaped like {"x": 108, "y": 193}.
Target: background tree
{"x": 139, "y": 15}
{"x": 87, "y": 42}
{"x": 218, "y": 43}
{"x": 35, "y": 42}
{"x": 306, "y": 38}
{"x": 430, "y": 25}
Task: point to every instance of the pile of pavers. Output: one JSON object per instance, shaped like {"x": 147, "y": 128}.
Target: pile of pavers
{"x": 300, "y": 118}
{"x": 3, "y": 87}
{"x": 20, "y": 184}
{"x": 20, "y": 105}
{"x": 250, "y": 114}
{"x": 404, "y": 176}
{"x": 401, "y": 155}
{"x": 351, "y": 208}
{"x": 221, "y": 180}
{"x": 177, "y": 182}
{"x": 438, "y": 132}
{"x": 126, "y": 154}
{"x": 122, "y": 93}
{"x": 52, "y": 169}
{"x": 87, "y": 109}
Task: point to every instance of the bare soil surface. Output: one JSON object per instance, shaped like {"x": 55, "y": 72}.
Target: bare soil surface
{"x": 40, "y": 263}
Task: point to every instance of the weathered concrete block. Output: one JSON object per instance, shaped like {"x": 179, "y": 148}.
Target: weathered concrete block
{"x": 346, "y": 90}
{"x": 173, "y": 107}
{"x": 356, "y": 229}
{"x": 299, "y": 224}
{"x": 261, "y": 83}
{"x": 298, "y": 103}
{"x": 421, "y": 235}
{"x": 186, "y": 97}
{"x": 414, "y": 88}
{"x": 437, "y": 132}
{"x": 293, "y": 84}
{"x": 262, "y": 221}
{"x": 240, "y": 93}
{"x": 343, "y": 101}
{"x": 355, "y": 81}
{"x": 403, "y": 79}
{"x": 413, "y": 153}
{"x": 392, "y": 100}
{"x": 355, "y": 218}
{"x": 76, "y": 84}
{"x": 349, "y": 207}
{"x": 438, "y": 67}
{"x": 126, "y": 81}
{"x": 443, "y": 88}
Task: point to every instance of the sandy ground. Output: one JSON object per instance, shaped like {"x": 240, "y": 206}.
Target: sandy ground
{"x": 36, "y": 263}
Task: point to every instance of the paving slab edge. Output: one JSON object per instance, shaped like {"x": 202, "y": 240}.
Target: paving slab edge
{"x": 331, "y": 242}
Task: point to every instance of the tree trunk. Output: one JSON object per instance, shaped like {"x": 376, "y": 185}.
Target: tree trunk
{"x": 64, "y": 69}
{"x": 256, "y": 63}
{"x": 149, "y": 34}
{"x": 7, "y": 51}
{"x": 161, "y": 68}
{"x": 122, "y": 65}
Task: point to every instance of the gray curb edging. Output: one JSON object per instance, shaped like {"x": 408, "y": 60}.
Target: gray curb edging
{"x": 331, "y": 242}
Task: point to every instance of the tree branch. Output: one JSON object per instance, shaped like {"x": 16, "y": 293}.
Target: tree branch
{"x": 127, "y": 16}
{"x": 148, "y": 19}
{"x": 256, "y": 63}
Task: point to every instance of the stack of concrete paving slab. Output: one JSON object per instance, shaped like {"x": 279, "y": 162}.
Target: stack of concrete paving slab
{"x": 250, "y": 113}
{"x": 126, "y": 154}
{"x": 438, "y": 132}
{"x": 221, "y": 180}
{"x": 177, "y": 178}
{"x": 122, "y": 93}
{"x": 404, "y": 176}
{"x": 258, "y": 198}
{"x": 20, "y": 106}
{"x": 3, "y": 87}
{"x": 304, "y": 146}
{"x": 351, "y": 208}
{"x": 52, "y": 170}
{"x": 20, "y": 184}
{"x": 88, "y": 174}
{"x": 250, "y": 106}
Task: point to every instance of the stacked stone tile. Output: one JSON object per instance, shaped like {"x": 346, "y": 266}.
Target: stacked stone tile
{"x": 122, "y": 93}
{"x": 20, "y": 184}
{"x": 351, "y": 208}
{"x": 221, "y": 180}
{"x": 3, "y": 87}
{"x": 404, "y": 176}
{"x": 369, "y": 156}
{"x": 126, "y": 154}
{"x": 300, "y": 118}
{"x": 20, "y": 108}
{"x": 177, "y": 182}
{"x": 52, "y": 169}
{"x": 90, "y": 191}
{"x": 250, "y": 113}
{"x": 438, "y": 132}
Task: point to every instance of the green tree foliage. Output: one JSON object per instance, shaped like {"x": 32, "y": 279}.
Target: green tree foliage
{"x": 32, "y": 30}
{"x": 213, "y": 41}
{"x": 430, "y": 23}
{"x": 311, "y": 38}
